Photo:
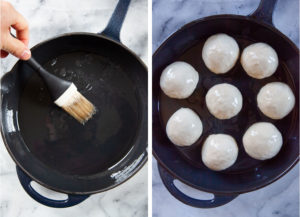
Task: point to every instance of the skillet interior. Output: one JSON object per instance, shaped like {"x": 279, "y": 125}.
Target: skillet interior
{"x": 54, "y": 148}
{"x": 185, "y": 163}
{"x": 57, "y": 140}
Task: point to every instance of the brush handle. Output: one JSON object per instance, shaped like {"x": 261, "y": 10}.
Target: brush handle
{"x": 56, "y": 85}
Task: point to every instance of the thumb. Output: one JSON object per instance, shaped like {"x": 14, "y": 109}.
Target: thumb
{"x": 17, "y": 48}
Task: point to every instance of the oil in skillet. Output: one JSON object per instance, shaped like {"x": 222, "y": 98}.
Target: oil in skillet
{"x": 62, "y": 143}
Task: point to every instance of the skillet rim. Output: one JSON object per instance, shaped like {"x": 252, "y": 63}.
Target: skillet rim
{"x": 144, "y": 153}
{"x": 248, "y": 18}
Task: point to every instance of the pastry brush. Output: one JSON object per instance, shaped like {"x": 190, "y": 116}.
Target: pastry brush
{"x": 65, "y": 94}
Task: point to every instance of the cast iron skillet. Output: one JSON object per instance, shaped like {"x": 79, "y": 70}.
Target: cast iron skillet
{"x": 48, "y": 145}
{"x": 185, "y": 164}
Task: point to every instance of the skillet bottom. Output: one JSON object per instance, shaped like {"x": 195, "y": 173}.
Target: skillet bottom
{"x": 235, "y": 126}
{"x": 58, "y": 140}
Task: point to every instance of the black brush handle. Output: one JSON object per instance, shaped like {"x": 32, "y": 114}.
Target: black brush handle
{"x": 56, "y": 85}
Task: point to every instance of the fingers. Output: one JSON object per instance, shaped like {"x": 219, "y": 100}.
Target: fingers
{"x": 21, "y": 26}
{"x": 16, "y": 48}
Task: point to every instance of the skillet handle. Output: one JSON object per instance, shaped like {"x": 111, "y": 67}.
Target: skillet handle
{"x": 218, "y": 200}
{"x": 264, "y": 12}
{"x": 114, "y": 25}
{"x": 72, "y": 200}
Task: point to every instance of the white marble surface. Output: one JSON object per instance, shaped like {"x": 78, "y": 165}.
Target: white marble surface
{"x": 169, "y": 15}
{"x": 280, "y": 199}
{"x": 50, "y": 18}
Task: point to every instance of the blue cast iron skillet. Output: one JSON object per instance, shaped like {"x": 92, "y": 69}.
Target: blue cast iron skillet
{"x": 185, "y": 163}
{"x": 54, "y": 150}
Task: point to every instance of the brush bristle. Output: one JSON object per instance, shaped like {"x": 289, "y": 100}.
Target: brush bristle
{"x": 80, "y": 108}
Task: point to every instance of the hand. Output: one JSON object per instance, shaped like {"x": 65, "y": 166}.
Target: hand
{"x": 10, "y": 18}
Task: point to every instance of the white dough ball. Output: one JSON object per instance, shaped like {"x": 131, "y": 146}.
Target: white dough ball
{"x": 220, "y": 53}
{"x": 179, "y": 80}
{"x": 219, "y": 151}
{"x": 184, "y": 127}
{"x": 224, "y": 101}
{"x": 262, "y": 141}
{"x": 275, "y": 100}
{"x": 259, "y": 60}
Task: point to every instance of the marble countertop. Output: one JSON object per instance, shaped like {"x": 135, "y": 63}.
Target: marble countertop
{"x": 47, "y": 19}
{"x": 280, "y": 199}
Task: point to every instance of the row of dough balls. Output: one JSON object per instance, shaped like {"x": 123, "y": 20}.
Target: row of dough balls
{"x": 224, "y": 101}
{"x": 220, "y": 53}
{"x": 261, "y": 141}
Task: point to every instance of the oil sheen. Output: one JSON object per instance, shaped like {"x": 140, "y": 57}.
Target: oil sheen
{"x": 62, "y": 143}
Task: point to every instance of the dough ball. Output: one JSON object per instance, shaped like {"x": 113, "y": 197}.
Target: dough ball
{"x": 219, "y": 151}
{"x": 224, "y": 101}
{"x": 184, "y": 127}
{"x": 262, "y": 141}
{"x": 220, "y": 53}
{"x": 275, "y": 100}
{"x": 179, "y": 80}
{"x": 259, "y": 60}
